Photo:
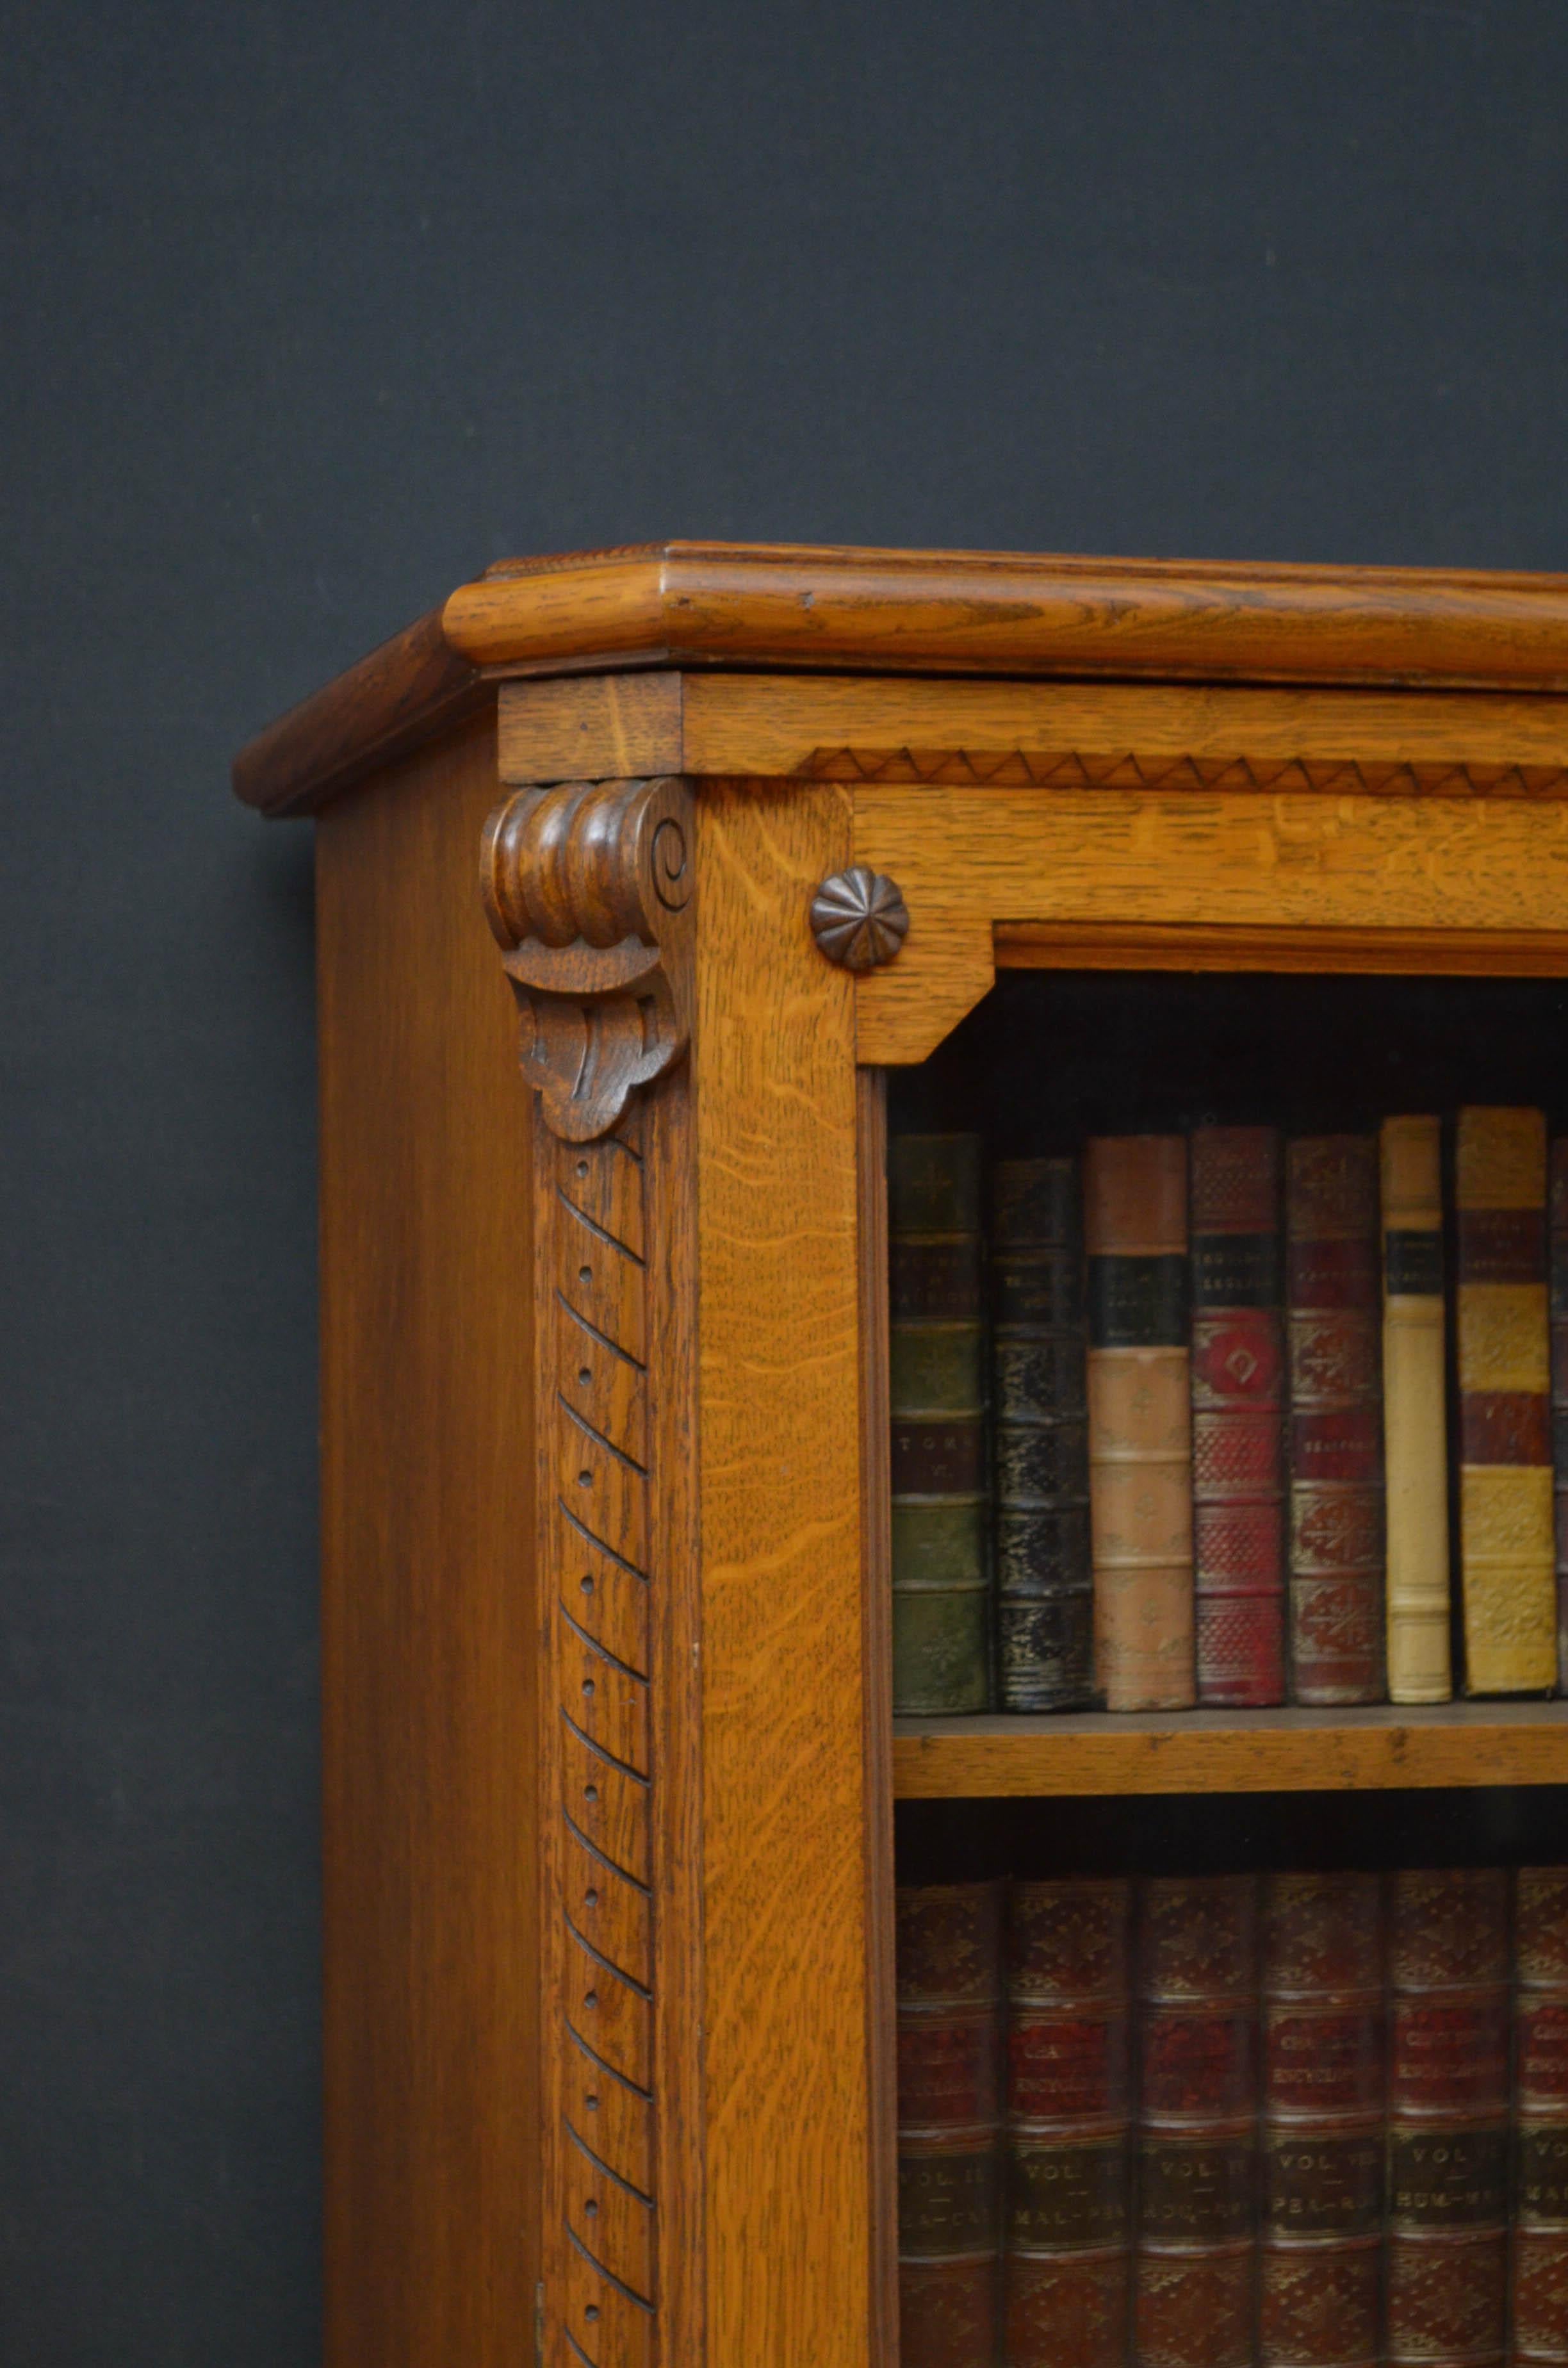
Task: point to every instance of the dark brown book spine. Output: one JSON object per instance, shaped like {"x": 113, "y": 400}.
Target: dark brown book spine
{"x": 1334, "y": 1293}
{"x": 936, "y": 1374}
{"x": 1541, "y": 2074}
{"x": 1197, "y": 2145}
{"x": 949, "y": 1957}
{"x": 1320, "y": 2288}
{"x": 1067, "y": 2209}
{"x": 1557, "y": 1207}
{"x": 1139, "y": 1420}
{"x": 1044, "y": 1580}
{"x": 1448, "y": 2085}
{"x": 1238, "y": 1379}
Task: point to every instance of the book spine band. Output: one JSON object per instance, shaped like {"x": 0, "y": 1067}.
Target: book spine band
{"x": 1508, "y": 1548}
{"x": 1139, "y": 1420}
{"x": 1415, "y": 1434}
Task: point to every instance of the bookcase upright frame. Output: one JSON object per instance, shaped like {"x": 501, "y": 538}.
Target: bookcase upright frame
{"x": 609, "y": 1754}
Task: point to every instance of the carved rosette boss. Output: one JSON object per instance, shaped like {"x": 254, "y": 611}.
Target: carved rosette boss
{"x": 587, "y": 887}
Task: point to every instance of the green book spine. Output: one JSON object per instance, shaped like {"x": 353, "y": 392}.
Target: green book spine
{"x": 937, "y": 1377}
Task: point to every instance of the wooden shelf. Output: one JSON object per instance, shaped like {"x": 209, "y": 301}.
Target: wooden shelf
{"x": 1233, "y": 1751}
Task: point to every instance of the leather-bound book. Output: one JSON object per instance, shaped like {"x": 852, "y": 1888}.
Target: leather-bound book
{"x": 1415, "y": 1428}
{"x": 1044, "y": 1581}
{"x": 1540, "y": 2061}
{"x": 1320, "y": 2287}
{"x": 1067, "y": 2199}
{"x": 1139, "y": 1420}
{"x": 936, "y": 1392}
{"x": 1238, "y": 1375}
{"x": 949, "y": 1957}
{"x": 1197, "y": 2143}
{"x": 1557, "y": 1211}
{"x": 1507, "y": 1547}
{"x": 1449, "y": 2083}
{"x": 1336, "y": 1423}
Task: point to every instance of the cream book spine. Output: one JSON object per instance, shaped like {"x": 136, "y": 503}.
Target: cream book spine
{"x": 1415, "y": 1433}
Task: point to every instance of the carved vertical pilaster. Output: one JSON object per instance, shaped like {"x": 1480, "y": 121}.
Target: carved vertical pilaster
{"x": 587, "y": 889}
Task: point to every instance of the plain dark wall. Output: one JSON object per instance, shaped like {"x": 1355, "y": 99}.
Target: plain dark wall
{"x": 310, "y": 312}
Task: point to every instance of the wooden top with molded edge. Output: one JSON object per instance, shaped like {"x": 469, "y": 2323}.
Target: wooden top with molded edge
{"x": 1380, "y": 1749}
{"x": 677, "y": 606}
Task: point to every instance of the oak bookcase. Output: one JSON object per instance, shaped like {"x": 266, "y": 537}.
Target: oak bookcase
{"x": 611, "y": 1767}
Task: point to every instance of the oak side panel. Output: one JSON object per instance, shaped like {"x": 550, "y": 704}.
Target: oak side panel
{"x": 784, "y": 1779}
{"x": 1233, "y": 858}
{"x": 1237, "y": 1751}
{"x": 431, "y": 2071}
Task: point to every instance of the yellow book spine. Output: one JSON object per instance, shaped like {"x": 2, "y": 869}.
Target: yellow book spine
{"x": 1415, "y": 1439}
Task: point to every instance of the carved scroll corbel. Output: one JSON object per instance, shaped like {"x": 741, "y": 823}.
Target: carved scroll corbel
{"x": 587, "y": 887}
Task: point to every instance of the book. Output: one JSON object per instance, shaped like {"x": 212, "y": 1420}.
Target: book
{"x": 1336, "y": 1445}
{"x": 1238, "y": 1481}
{"x": 1415, "y": 1429}
{"x": 1540, "y": 2179}
{"x": 1139, "y": 1420}
{"x": 947, "y": 1952}
{"x": 1322, "y": 2172}
{"x": 1507, "y": 1550}
{"x": 1197, "y": 2141}
{"x": 1447, "y": 2133}
{"x": 1067, "y": 2193}
{"x": 1557, "y": 1263}
{"x": 937, "y": 1396}
{"x": 1044, "y": 1581}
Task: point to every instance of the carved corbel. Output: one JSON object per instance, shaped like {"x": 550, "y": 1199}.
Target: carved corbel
{"x": 587, "y": 887}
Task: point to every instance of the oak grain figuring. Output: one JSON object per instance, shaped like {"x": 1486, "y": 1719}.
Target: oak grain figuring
{"x": 690, "y": 607}
{"x": 1219, "y": 857}
{"x": 1179, "y": 945}
{"x": 1011, "y": 734}
{"x": 876, "y": 1523}
{"x": 1235, "y": 1751}
{"x": 404, "y": 693}
{"x": 428, "y": 1647}
{"x": 784, "y": 1698}
{"x": 1011, "y": 613}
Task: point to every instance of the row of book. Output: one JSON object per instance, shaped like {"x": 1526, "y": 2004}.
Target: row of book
{"x": 1296, "y": 2121}
{"x": 1192, "y": 1443}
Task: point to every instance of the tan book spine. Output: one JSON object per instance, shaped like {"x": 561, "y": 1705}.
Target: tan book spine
{"x": 1415, "y": 1434}
{"x": 1139, "y": 1420}
{"x": 1505, "y": 1509}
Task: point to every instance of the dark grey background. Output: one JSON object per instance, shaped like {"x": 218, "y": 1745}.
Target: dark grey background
{"x": 308, "y": 312}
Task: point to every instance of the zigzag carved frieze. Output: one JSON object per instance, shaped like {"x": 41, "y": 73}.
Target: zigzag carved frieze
{"x": 1126, "y": 769}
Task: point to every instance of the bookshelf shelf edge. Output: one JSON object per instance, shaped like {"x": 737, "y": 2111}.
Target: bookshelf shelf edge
{"x": 1287, "y": 1751}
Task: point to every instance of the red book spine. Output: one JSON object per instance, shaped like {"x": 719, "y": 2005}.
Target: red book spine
{"x": 1334, "y": 1293}
{"x": 1238, "y": 1372}
{"x": 1540, "y": 2071}
{"x": 1067, "y": 2193}
{"x": 1196, "y": 2249}
{"x": 949, "y": 1953}
{"x": 1449, "y": 2087}
{"x": 1320, "y": 2286}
